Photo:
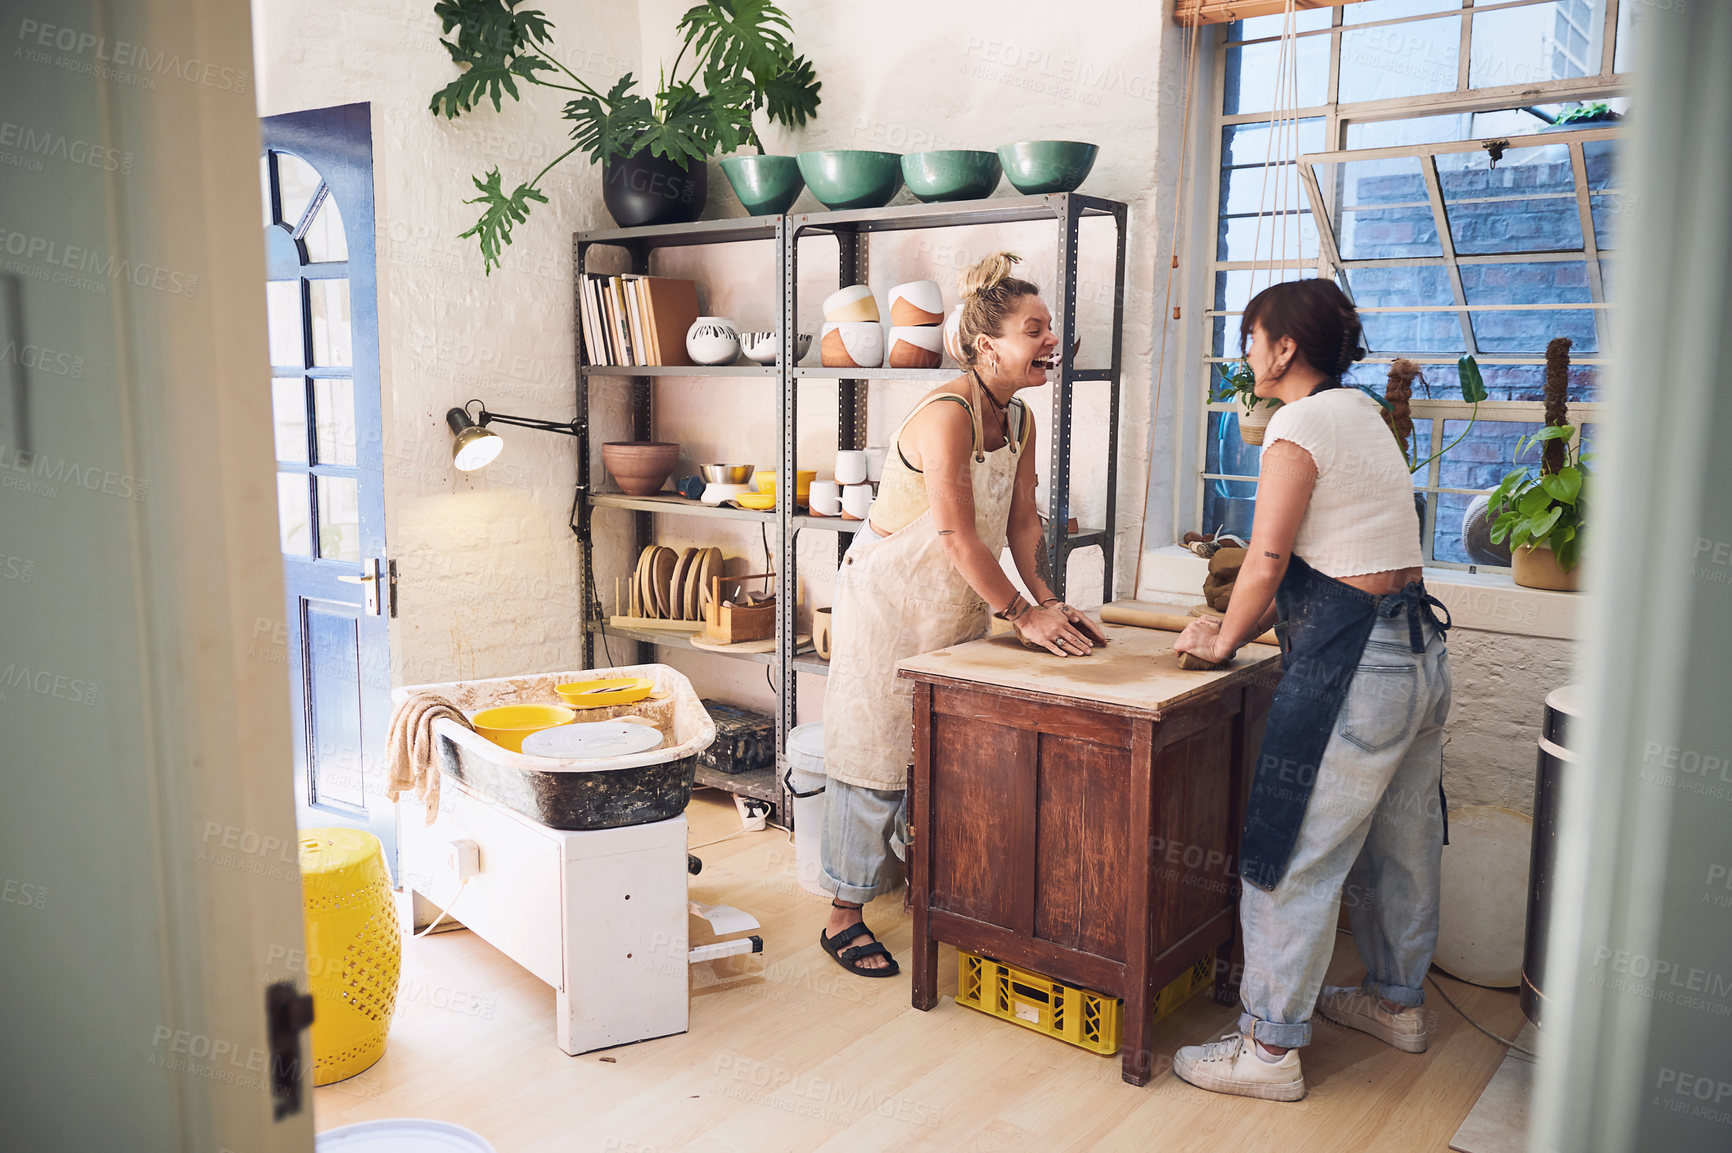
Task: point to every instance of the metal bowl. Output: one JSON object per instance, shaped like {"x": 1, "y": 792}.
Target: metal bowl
{"x": 726, "y": 473}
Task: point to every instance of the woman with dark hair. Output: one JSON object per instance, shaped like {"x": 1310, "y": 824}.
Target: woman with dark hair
{"x": 923, "y": 573}
{"x": 1348, "y": 784}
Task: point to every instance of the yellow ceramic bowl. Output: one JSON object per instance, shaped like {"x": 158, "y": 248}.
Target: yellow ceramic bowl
{"x": 595, "y": 694}
{"x": 764, "y": 480}
{"x": 762, "y": 501}
{"x": 803, "y": 479}
{"x": 507, "y": 725}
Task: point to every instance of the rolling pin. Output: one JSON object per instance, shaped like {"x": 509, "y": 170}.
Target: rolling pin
{"x": 1172, "y": 622}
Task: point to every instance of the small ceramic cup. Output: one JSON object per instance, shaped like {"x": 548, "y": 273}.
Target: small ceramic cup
{"x": 851, "y": 467}
{"x": 856, "y": 501}
{"x": 874, "y": 464}
{"x": 825, "y": 498}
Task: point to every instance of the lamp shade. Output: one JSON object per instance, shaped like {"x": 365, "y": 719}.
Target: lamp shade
{"x": 472, "y": 446}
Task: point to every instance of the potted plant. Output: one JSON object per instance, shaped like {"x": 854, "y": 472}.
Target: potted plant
{"x": 1239, "y": 383}
{"x": 735, "y": 60}
{"x": 1541, "y": 511}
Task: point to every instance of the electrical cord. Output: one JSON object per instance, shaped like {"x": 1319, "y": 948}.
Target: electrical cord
{"x": 1504, "y": 1041}
{"x": 446, "y": 911}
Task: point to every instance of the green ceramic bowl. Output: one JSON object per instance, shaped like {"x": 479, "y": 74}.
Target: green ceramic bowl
{"x": 852, "y": 178}
{"x": 1036, "y": 167}
{"x": 766, "y": 185}
{"x": 950, "y": 174}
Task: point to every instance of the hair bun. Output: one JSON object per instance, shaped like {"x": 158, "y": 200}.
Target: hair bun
{"x": 987, "y": 274}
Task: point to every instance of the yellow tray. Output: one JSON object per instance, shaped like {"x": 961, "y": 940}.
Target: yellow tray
{"x": 596, "y": 694}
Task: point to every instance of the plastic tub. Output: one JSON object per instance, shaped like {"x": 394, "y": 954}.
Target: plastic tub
{"x": 806, "y": 781}
{"x": 603, "y": 793}
{"x": 401, "y": 1135}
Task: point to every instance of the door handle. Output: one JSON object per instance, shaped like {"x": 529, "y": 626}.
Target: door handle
{"x": 369, "y": 582}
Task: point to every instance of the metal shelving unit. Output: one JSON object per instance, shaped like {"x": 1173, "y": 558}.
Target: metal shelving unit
{"x": 851, "y": 231}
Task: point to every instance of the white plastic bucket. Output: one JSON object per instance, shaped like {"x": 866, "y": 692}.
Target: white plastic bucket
{"x": 806, "y": 781}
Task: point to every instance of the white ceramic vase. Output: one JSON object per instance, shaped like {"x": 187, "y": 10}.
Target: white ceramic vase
{"x": 917, "y": 302}
{"x": 712, "y": 340}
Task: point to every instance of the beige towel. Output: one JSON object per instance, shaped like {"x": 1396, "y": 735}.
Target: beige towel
{"x": 412, "y": 748}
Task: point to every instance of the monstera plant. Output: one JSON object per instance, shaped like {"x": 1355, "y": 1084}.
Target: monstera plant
{"x": 736, "y": 59}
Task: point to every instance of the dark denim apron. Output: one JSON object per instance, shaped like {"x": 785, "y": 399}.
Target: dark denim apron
{"x": 1324, "y": 626}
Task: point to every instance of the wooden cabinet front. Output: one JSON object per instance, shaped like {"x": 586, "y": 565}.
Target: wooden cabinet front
{"x": 1087, "y": 841}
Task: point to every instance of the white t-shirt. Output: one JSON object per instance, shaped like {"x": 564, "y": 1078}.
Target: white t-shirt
{"x": 1361, "y": 518}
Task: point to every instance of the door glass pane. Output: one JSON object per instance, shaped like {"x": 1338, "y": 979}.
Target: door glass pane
{"x": 1527, "y": 332}
{"x": 294, "y": 514}
{"x": 1243, "y": 144}
{"x": 328, "y": 302}
{"x": 1527, "y": 203}
{"x": 324, "y": 237}
{"x": 265, "y": 186}
{"x": 1227, "y": 505}
{"x": 289, "y": 413}
{"x": 1412, "y": 59}
{"x": 1289, "y": 233}
{"x": 334, "y": 416}
{"x": 339, "y": 519}
{"x": 333, "y": 653}
{"x": 283, "y": 317}
{"x": 296, "y": 182}
{"x": 1539, "y": 42}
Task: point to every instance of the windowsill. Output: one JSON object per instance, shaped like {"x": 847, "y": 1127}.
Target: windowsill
{"x": 1484, "y": 602}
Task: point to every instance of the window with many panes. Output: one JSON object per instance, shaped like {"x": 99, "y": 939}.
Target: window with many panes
{"x": 1374, "y": 172}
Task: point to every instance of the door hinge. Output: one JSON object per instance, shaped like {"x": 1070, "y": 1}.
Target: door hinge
{"x": 288, "y": 1012}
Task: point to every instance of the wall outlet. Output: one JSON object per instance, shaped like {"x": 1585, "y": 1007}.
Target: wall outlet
{"x": 753, "y": 813}
{"x": 462, "y": 858}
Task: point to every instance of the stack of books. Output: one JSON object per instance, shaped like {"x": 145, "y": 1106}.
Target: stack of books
{"x": 636, "y": 320}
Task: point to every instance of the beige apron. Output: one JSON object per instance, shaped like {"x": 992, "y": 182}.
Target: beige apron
{"x": 896, "y": 597}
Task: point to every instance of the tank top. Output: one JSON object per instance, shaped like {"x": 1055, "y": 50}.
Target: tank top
{"x": 902, "y": 496}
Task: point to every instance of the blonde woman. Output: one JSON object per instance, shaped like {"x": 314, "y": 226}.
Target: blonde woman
{"x": 923, "y": 573}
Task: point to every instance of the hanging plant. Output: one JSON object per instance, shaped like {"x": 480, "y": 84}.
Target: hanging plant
{"x": 741, "y": 61}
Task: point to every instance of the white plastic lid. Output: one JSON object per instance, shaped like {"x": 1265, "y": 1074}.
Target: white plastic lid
{"x": 592, "y": 740}
{"x": 807, "y": 740}
{"x": 401, "y": 1135}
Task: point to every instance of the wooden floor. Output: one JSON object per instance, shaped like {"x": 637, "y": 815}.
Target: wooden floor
{"x": 788, "y": 1053}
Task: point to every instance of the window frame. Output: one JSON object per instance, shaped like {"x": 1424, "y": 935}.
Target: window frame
{"x": 1337, "y": 117}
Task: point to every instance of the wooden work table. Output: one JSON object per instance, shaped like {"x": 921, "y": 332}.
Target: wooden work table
{"x": 1079, "y": 817}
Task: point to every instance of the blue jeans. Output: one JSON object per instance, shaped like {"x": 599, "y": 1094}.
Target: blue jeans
{"x": 863, "y": 830}
{"x": 1374, "y": 825}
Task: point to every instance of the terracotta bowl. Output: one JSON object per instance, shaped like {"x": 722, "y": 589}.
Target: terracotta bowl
{"x": 640, "y": 468}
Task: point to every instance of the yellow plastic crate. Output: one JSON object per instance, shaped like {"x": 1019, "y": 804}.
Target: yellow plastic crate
{"x": 1078, "y": 1016}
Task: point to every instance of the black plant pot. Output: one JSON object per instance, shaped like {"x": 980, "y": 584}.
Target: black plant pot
{"x": 646, "y": 189}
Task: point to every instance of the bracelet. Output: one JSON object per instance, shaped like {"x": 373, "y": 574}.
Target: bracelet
{"x": 1014, "y": 610}
{"x": 1053, "y": 600}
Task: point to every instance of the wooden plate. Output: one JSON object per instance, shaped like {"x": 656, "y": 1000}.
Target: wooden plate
{"x": 677, "y": 589}
{"x": 713, "y": 566}
{"x": 661, "y": 574}
{"x": 693, "y": 583}
{"x": 642, "y": 607}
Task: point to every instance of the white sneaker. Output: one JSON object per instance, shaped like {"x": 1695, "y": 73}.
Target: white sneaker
{"x": 1357, "y": 1009}
{"x": 1231, "y": 1065}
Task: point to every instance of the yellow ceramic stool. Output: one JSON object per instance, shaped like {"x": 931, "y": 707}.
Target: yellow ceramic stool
{"x": 354, "y": 949}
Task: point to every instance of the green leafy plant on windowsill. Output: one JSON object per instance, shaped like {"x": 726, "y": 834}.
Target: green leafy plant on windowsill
{"x": 1238, "y": 383}
{"x": 1545, "y": 508}
{"x": 741, "y": 62}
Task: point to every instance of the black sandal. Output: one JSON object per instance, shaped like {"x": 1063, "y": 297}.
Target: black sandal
{"x": 850, "y": 958}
